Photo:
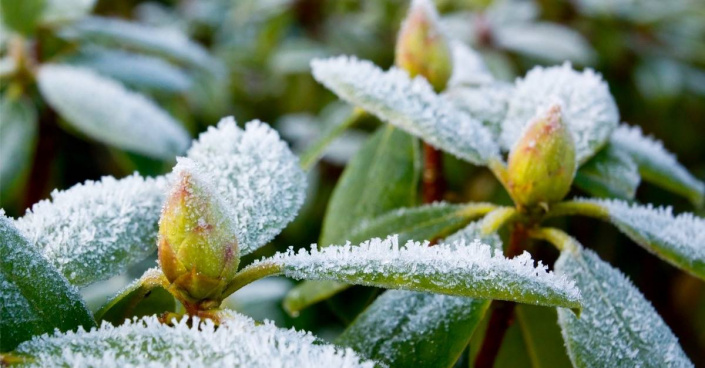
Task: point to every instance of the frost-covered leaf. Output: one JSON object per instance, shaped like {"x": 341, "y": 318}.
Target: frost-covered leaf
{"x": 469, "y": 69}
{"x": 545, "y": 41}
{"x": 381, "y": 177}
{"x": 656, "y": 164}
{"x": 586, "y": 104}
{"x": 135, "y": 70}
{"x": 618, "y": 326}
{"x": 94, "y": 230}
{"x": 104, "y": 110}
{"x": 410, "y": 329}
{"x": 611, "y": 173}
{"x": 21, "y": 16}
{"x": 62, "y": 11}
{"x": 461, "y": 269}
{"x": 636, "y": 10}
{"x": 168, "y": 43}
{"x": 679, "y": 240}
{"x": 408, "y": 104}
{"x": 487, "y": 103}
{"x": 237, "y": 342}
{"x": 426, "y": 222}
{"x": 34, "y": 297}
{"x": 257, "y": 176}
{"x": 18, "y": 132}
{"x": 145, "y": 296}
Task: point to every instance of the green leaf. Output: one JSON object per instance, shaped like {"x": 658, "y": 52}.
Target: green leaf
{"x": 237, "y": 341}
{"x": 408, "y": 104}
{"x": 104, "y": 110}
{"x": 333, "y": 131}
{"x": 611, "y": 173}
{"x": 135, "y": 70}
{"x": 679, "y": 240}
{"x": 618, "y": 326}
{"x": 542, "y": 336}
{"x": 657, "y": 165}
{"x": 146, "y": 296}
{"x": 458, "y": 268}
{"x": 18, "y": 133}
{"x": 412, "y": 329}
{"x": 381, "y": 177}
{"x": 34, "y": 297}
{"x": 21, "y": 16}
{"x": 63, "y": 11}
{"x": 163, "y": 42}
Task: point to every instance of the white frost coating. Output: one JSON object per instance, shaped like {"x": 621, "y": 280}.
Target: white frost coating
{"x": 457, "y": 269}
{"x": 257, "y": 175}
{"x": 587, "y": 106}
{"x": 94, "y": 230}
{"x": 678, "y": 239}
{"x": 104, "y": 110}
{"x": 487, "y": 103}
{"x": 618, "y": 326}
{"x": 408, "y": 104}
{"x": 146, "y": 342}
{"x": 656, "y": 163}
{"x": 469, "y": 69}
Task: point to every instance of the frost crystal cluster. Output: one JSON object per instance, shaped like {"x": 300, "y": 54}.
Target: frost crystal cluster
{"x": 146, "y": 342}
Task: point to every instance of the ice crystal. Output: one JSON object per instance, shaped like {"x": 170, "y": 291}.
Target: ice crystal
{"x": 586, "y": 103}
{"x": 409, "y": 104}
{"x": 94, "y": 230}
{"x": 237, "y": 342}
{"x": 458, "y": 269}
{"x": 103, "y": 109}
{"x": 618, "y": 326}
{"x": 656, "y": 163}
{"x": 678, "y": 239}
{"x": 257, "y": 176}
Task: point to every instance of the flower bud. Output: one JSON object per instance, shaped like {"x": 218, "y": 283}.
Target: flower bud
{"x": 421, "y": 47}
{"x": 198, "y": 250}
{"x": 542, "y": 163}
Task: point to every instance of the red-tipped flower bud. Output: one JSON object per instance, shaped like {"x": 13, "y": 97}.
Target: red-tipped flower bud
{"x": 542, "y": 163}
{"x": 198, "y": 250}
{"x": 421, "y": 47}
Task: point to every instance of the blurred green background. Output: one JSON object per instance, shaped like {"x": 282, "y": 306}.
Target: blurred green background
{"x": 250, "y": 59}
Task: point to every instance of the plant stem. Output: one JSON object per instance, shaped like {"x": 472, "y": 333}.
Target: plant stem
{"x": 252, "y": 273}
{"x": 503, "y": 313}
{"x": 433, "y": 181}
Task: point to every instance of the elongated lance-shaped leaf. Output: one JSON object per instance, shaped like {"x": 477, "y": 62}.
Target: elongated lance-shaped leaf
{"x": 237, "y": 342}
{"x": 486, "y": 102}
{"x": 94, "y": 230}
{"x": 135, "y": 70}
{"x": 18, "y": 132}
{"x": 469, "y": 69}
{"x": 103, "y": 109}
{"x": 611, "y": 173}
{"x": 461, "y": 269}
{"x": 657, "y": 165}
{"x": 63, "y": 11}
{"x": 618, "y": 326}
{"x": 587, "y": 106}
{"x": 679, "y": 240}
{"x": 413, "y": 329}
{"x": 34, "y": 297}
{"x": 425, "y": 222}
{"x": 408, "y": 104}
{"x": 256, "y": 174}
{"x": 147, "y": 39}
{"x": 542, "y": 336}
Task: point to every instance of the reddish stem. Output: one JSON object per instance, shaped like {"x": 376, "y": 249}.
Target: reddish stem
{"x": 433, "y": 181}
{"x": 503, "y": 312}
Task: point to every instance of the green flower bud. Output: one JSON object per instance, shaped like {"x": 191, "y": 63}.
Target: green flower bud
{"x": 421, "y": 47}
{"x": 542, "y": 163}
{"x": 198, "y": 250}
